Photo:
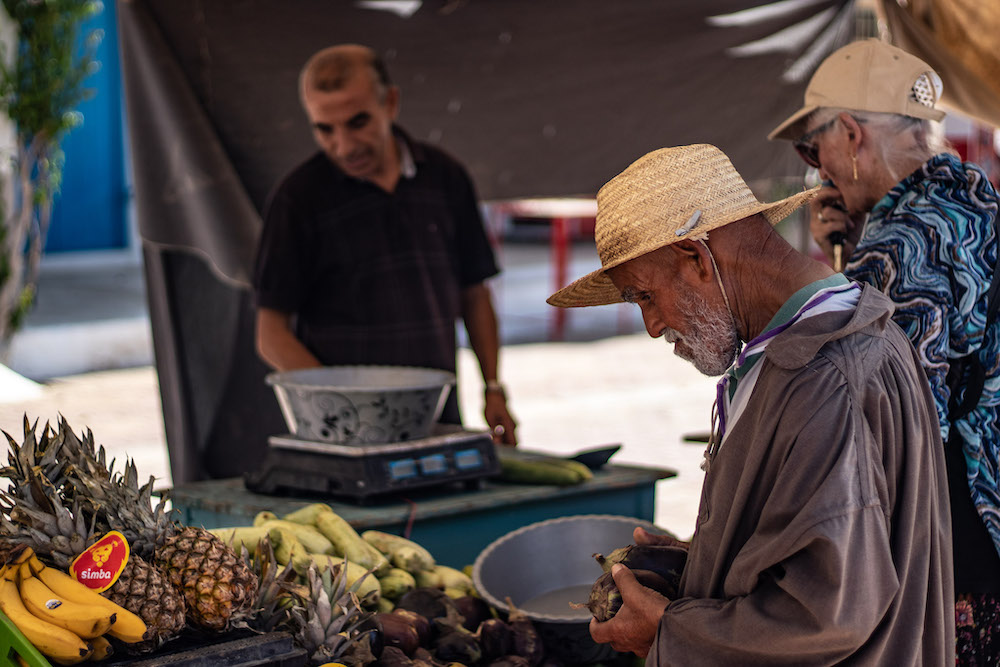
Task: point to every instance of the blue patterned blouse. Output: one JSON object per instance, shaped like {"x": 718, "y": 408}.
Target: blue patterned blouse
{"x": 930, "y": 245}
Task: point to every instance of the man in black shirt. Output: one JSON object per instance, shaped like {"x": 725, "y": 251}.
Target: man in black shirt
{"x": 374, "y": 246}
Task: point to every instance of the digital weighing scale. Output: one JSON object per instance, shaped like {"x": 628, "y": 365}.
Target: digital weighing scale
{"x": 450, "y": 454}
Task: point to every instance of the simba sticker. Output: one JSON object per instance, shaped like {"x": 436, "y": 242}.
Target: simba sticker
{"x": 99, "y": 567}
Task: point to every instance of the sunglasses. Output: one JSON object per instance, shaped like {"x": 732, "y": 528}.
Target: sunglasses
{"x": 806, "y": 149}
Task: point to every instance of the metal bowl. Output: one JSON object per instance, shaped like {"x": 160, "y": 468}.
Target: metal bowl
{"x": 361, "y": 405}
{"x": 545, "y": 566}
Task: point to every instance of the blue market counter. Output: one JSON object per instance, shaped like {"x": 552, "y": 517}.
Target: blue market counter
{"x": 454, "y": 526}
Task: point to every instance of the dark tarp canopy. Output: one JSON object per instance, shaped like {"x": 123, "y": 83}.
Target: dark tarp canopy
{"x": 538, "y": 99}
{"x": 960, "y": 39}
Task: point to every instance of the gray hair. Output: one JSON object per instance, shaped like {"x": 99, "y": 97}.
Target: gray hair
{"x": 904, "y": 141}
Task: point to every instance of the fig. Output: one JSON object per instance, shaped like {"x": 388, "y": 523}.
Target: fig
{"x": 458, "y": 645}
{"x": 423, "y": 626}
{"x": 397, "y": 632}
{"x": 510, "y": 661}
{"x": 393, "y": 657}
{"x": 474, "y": 610}
{"x": 527, "y": 641}
{"x": 430, "y": 603}
{"x": 495, "y": 637}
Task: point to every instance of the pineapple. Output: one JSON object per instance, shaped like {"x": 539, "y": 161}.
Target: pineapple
{"x": 324, "y": 615}
{"x": 330, "y": 621}
{"x": 146, "y": 592}
{"x": 271, "y": 607}
{"x": 215, "y": 582}
{"x": 34, "y": 512}
{"x": 217, "y": 586}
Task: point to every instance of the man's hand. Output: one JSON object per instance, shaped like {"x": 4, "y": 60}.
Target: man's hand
{"x": 643, "y": 537}
{"x": 502, "y": 425}
{"x": 828, "y": 215}
{"x": 634, "y": 627}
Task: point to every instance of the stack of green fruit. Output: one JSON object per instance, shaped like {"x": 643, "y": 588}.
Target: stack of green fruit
{"x": 316, "y": 535}
{"x": 426, "y": 614}
{"x": 517, "y": 468}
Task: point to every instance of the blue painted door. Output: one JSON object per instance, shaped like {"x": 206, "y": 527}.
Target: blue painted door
{"x": 90, "y": 211}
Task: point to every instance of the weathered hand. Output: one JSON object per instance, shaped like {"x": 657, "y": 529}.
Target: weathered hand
{"x": 828, "y": 215}
{"x": 643, "y": 537}
{"x": 502, "y": 424}
{"x": 634, "y": 627}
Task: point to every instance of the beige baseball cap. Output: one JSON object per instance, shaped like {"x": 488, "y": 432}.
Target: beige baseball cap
{"x": 868, "y": 75}
{"x": 666, "y": 196}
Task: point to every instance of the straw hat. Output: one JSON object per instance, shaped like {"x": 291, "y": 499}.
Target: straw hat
{"x": 869, "y": 75}
{"x": 663, "y": 197}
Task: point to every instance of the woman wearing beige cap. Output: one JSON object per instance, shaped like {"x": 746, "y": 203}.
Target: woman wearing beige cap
{"x": 920, "y": 225}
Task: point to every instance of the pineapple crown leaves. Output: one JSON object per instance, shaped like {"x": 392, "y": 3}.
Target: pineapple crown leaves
{"x": 274, "y": 590}
{"x": 34, "y": 455}
{"x": 114, "y": 497}
{"x": 330, "y": 614}
{"x": 78, "y": 470}
{"x": 337, "y": 584}
{"x": 51, "y": 528}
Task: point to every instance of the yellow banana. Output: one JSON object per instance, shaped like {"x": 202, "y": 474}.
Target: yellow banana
{"x": 127, "y": 627}
{"x": 54, "y": 642}
{"x": 84, "y": 621}
{"x": 102, "y": 648}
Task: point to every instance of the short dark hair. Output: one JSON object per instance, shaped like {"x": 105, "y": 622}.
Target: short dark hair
{"x": 331, "y": 69}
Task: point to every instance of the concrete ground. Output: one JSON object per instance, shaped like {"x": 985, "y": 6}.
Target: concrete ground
{"x": 87, "y": 352}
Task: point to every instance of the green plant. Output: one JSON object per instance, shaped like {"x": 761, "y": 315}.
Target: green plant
{"x": 40, "y": 89}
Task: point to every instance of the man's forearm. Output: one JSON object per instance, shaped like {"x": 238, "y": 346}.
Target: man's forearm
{"x": 278, "y": 346}
{"x": 481, "y": 323}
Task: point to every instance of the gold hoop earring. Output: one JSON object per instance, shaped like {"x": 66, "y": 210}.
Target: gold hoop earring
{"x": 854, "y": 164}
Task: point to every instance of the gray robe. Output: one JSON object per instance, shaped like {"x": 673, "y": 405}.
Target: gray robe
{"x": 823, "y": 535}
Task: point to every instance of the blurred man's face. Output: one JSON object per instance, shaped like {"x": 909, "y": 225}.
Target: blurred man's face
{"x": 701, "y": 331}
{"x": 354, "y": 127}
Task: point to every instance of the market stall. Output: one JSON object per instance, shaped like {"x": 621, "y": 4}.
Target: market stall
{"x": 94, "y": 566}
{"x": 456, "y": 524}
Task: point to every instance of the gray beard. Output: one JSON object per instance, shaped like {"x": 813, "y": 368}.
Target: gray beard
{"x": 712, "y": 343}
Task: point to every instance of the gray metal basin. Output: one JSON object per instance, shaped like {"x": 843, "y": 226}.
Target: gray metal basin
{"x": 545, "y": 566}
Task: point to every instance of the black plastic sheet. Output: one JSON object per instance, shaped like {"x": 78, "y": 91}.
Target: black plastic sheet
{"x": 537, "y": 99}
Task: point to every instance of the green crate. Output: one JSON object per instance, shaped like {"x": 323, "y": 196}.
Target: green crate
{"x": 13, "y": 643}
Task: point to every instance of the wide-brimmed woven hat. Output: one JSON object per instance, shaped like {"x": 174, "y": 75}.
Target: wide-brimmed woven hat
{"x": 663, "y": 197}
{"x": 869, "y": 75}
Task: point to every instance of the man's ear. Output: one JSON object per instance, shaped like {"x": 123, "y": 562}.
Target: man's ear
{"x": 391, "y": 103}
{"x": 693, "y": 256}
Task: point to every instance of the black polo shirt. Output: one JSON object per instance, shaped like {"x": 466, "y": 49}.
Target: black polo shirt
{"x": 374, "y": 277}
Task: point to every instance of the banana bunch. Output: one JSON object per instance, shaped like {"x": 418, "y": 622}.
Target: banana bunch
{"x": 65, "y": 620}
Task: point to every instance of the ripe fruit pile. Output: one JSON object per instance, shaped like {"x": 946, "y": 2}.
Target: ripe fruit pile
{"x": 408, "y": 609}
{"x": 63, "y": 496}
{"x": 347, "y": 599}
{"x": 65, "y": 620}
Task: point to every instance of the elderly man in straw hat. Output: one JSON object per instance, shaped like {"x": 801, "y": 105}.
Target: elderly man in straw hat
{"x": 823, "y": 534}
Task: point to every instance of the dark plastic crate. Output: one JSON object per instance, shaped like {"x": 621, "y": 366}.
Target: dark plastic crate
{"x": 234, "y": 649}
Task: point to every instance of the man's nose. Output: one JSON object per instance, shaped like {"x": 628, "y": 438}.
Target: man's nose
{"x": 654, "y": 326}
{"x": 344, "y": 144}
